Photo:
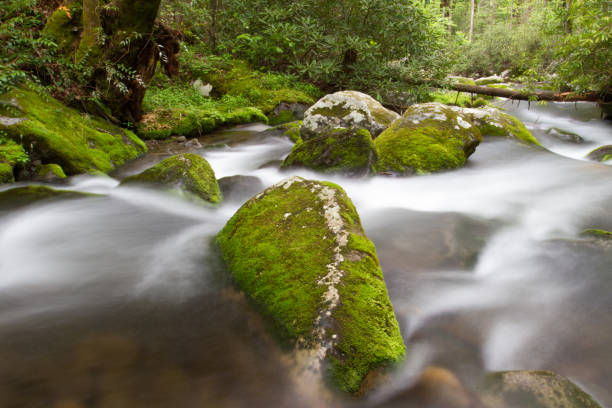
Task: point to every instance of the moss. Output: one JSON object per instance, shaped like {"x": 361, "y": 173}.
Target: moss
{"x": 492, "y": 122}
{"x": 236, "y": 78}
{"x": 532, "y": 389}
{"x": 188, "y": 172}
{"x": 279, "y": 247}
{"x": 50, "y": 171}
{"x": 282, "y": 117}
{"x": 6, "y": 173}
{"x": 451, "y": 98}
{"x": 433, "y": 143}
{"x": 290, "y": 130}
{"x": 597, "y": 233}
{"x": 193, "y": 122}
{"x": 489, "y": 80}
{"x": 341, "y": 151}
{"x": 22, "y": 196}
{"x": 463, "y": 80}
{"x": 55, "y": 133}
{"x": 64, "y": 27}
{"x": 12, "y": 153}
{"x": 499, "y": 86}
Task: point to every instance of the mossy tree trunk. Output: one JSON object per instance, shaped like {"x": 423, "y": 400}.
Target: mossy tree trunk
{"x": 121, "y": 42}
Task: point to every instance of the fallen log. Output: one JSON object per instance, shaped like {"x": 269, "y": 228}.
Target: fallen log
{"x": 525, "y": 95}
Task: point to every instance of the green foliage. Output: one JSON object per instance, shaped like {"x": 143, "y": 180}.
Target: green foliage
{"x": 21, "y": 47}
{"x": 586, "y": 54}
{"x": 342, "y": 44}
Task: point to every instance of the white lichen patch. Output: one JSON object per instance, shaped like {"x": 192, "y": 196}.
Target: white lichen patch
{"x": 464, "y": 124}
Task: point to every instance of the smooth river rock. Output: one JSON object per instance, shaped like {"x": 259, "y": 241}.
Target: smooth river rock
{"x": 346, "y": 109}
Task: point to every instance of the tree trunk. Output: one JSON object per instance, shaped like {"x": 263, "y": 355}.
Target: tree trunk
{"x": 472, "y": 20}
{"x": 535, "y": 95}
{"x": 492, "y": 17}
{"x": 118, "y": 40}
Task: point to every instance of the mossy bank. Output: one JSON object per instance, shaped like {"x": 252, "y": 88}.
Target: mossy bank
{"x": 55, "y": 134}
{"x": 299, "y": 253}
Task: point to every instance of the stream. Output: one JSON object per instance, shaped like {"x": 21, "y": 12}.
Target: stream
{"x": 120, "y": 300}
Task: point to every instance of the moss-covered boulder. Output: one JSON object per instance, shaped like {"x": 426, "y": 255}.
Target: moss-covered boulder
{"x": 532, "y": 389}
{"x": 187, "y": 172}
{"x": 290, "y": 130}
{"x": 346, "y": 109}
{"x": 347, "y": 151}
{"x": 427, "y": 138}
{"x": 54, "y": 133}
{"x": 601, "y": 154}
{"x": 299, "y": 253}
{"x": 493, "y": 122}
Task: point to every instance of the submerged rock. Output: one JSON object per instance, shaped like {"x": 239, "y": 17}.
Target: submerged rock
{"x": 601, "y": 154}
{"x": 187, "y": 172}
{"x": 22, "y": 196}
{"x": 415, "y": 241}
{"x": 597, "y": 233}
{"x": 492, "y": 122}
{"x": 54, "y": 133}
{"x": 565, "y": 136}
{"x": 427, "y": 138}
{"x": 532, "y": 389}
{"x": 346, "y": 109}
{"x": 239, "y": 188}
{"x": 437, "y": 387}
{"x": 298, "y": 251}
{"x": 345, "y": 151}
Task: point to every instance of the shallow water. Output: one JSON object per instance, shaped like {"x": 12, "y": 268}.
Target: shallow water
{"x": 120, "y": 300}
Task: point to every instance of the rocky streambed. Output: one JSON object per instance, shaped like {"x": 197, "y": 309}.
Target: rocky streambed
{"x": 127, "y": 295}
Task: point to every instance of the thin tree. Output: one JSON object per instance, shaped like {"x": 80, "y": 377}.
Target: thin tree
{"x": 472, "y": 19}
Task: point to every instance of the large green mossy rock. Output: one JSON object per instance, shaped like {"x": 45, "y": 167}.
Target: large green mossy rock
{"x": 299, "y": 253}
{"x": 493, "y": 122}
{"x": 54, "y": 133}
{"x": 346, "y": 109}
{"x": 427, "y": 138}
{"x": 187, "y": 172}
{"x": 601, "y": 154}
{"x": 346, "y": 151}
{"x": 532, "y": 389}
{"x": 23, "y": 196}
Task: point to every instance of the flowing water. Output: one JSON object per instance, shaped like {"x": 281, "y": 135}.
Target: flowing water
{"x": 119, "y": 299}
